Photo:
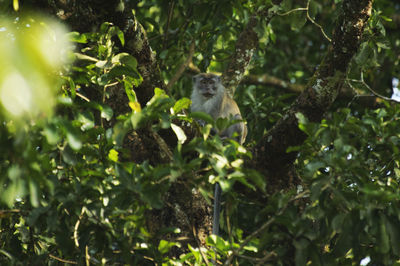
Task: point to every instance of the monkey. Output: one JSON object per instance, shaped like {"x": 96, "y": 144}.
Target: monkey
{"x": 210, "y": 96}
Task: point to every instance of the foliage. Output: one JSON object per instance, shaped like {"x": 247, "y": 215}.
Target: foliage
{"x": 68, "y": 191}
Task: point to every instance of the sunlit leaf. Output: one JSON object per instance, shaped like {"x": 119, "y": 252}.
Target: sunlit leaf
{"x": 180, "y": 134}
{"x": 113, "y": 155}
{"x": 183, "y": 103}
{"x": 135, "y": 106}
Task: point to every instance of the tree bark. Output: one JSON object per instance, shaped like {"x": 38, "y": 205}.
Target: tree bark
{"x": 244, "y": 49}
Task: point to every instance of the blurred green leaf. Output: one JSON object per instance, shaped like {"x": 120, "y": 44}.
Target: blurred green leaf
{"x": 75, "y": 36}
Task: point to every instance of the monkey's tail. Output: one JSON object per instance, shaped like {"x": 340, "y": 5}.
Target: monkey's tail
{"x": 217, "y": 209}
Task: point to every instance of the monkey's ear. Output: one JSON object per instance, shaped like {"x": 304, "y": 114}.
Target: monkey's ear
{"x": 218, "y": 78}
{"x": 194, "y": 78}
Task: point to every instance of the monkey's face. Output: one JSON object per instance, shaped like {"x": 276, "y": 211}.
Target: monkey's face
{"x": 207, "y": 84}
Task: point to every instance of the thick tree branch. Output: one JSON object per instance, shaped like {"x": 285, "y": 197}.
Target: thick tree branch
{"x": 320, "y": 93}
{"x": 268, "y": 80}
{"x": 245, "y": 46}
{"x": 137, "y": 44}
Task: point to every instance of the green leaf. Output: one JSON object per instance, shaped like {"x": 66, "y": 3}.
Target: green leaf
{"x": 345, "y": 239}
{"x": 256, "y": 178}
{"x": 16, "y": 187}
{"x": 393, "y": 229}
{"x": 34, "y": 192}
{"x": 297, "y": 20}
{"x": 337, "y": 222}
{"x": 85, "y": 57}
{"x": 180, "y": 134}
{"x": 364, "y": 54}
{"x": 73, "y": 138}
{"x": 383, "y": 236}
{"x": 16, "y": 5}
{"x": 119, "y": 132}
{"x": 218, "y": 242}
{"x": 137, "y": 119}
{"x": 397, "y": 172}
{"x": 302, "y": 121}
{"x": 125, "y": 59}
{"x": 203, "y": 116}
{"x": 102, "y": 64}
{"x": 121, "y": 37}
{"x": 106, "y": 112}
{"x": 69, "y": 156}
{"x": 119, "y": 71}
{"x": 222, "y": 123}
{"x": 159, "y": 92}
{"x": 183, "y": 103}
{"x": 87, "y": 120}
{"x": 301, "y": 254}
{"x": 51, "y": 133}
{"x": 113, "y": 155}
{"x": 314, "y": 166}
{"x": 164, "y": 246}
{"x": 163, "y": 54}
{"x": 195, "y": 252}
{"x": 75, "y": 36}
{"x": 130, "y": 92}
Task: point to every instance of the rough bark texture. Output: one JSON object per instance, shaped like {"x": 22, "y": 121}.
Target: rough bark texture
{"x": 138, "y": 46}
{"x": 320, "y": 93}
{"x": 245, "y": 46}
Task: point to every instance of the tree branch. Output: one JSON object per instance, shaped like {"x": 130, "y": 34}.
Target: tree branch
{"x": 268, "y": 80}
{"x": 375, "y": 94}
{"x": 244, "y": 49}
{"x": 308, "y": 17}
{"x": 320, "y": 93}
{"x": 137, "y": 44}
{"x": 182, "y": 68}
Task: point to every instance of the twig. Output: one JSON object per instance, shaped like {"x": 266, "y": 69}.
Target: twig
{"x": 376, "y": 94}
{"x": 77, "y": 226}
{"x": 105, "y": 87}
{"x": 182, "y": 68}
{"x": 87, "y": 256}
{"x": 199, "y": 245}
{"x": 83, "y": 97}
{"x": 162, "y": 144}
{"x": 259, "y": 261}
{"x": 62, "y": 260}
{"x": 262, "y": 228}
{"x": 308, "y": 17}
{"x": 2, "y": 212}
{"x": 293, "y": 10}
{"x": 266, "y": 258}
{"x": 170, "y": 14}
